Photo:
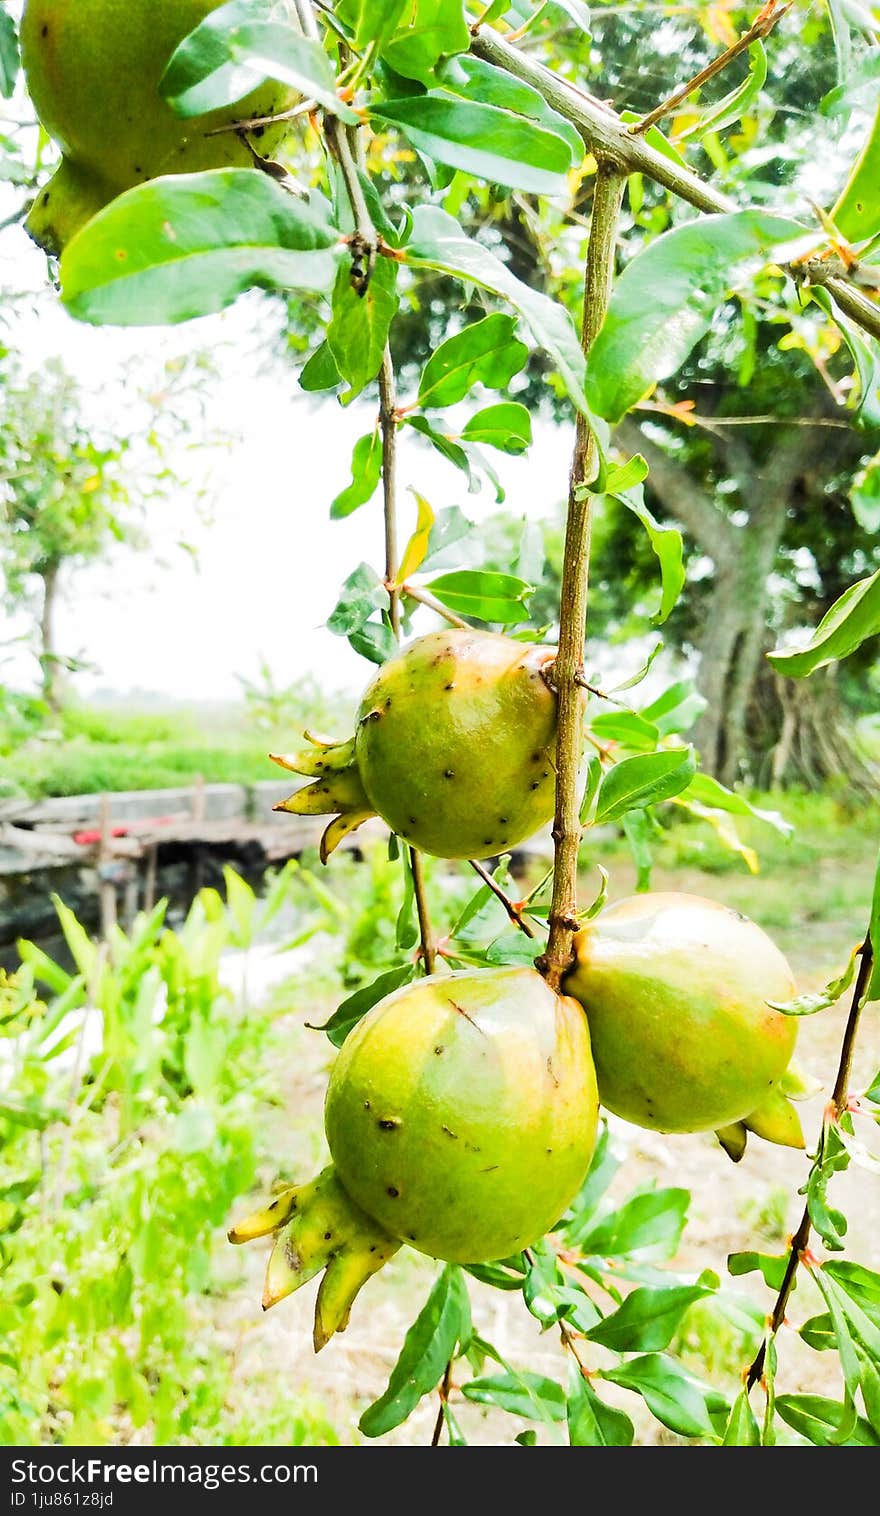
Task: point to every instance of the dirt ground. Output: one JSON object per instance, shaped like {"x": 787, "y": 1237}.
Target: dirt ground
{"x": 751, "y": 1205}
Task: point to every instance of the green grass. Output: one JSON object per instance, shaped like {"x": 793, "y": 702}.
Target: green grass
{"x": 98, "y": 750}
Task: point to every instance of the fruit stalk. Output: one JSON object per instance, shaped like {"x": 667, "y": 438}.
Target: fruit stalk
{"x": 340, "y": 147}
{"x": 801, "y": 1238}
{"x": 568, "y": 668}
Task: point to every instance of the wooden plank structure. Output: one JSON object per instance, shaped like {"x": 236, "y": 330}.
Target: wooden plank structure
{"x": 111, "y": 855}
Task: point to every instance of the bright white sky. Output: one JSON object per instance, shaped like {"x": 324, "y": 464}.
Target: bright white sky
{"x": 271, "y": 562}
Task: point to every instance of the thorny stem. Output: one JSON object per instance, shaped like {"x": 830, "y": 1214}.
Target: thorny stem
{"x": 761, "y": 27}
{"x": 512, "y": 910}
{"x": 568, "y": 668}
{"x": 443, "y": 1391}
{"x": 608, "y": 138}
{"x": 569, "y": 1342}
{"x": 801, "y": 1238}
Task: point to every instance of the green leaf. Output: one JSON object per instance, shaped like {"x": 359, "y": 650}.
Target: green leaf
{"x": 438, "y": 242}
{"x": 188, "y": 245}
{"x": 445, "y": 445}
{"x": 482, "y": 140}
{"x": 626, "y": 727}
{"x": 592, "y": 1423}
{"x": 734, "y": 105}
{"x": 591, "y": 785}
{"x": 742, "y": 1430}
{"x": 771, "y": 1267}
{"x": 429, "y": 30}
{"x": 483, "y": 594}
{"x": 474, "y": 79}
{"x": 818, "y": 1333}
{"x": 863, "y": 79}
{"x": 355, "y": 1008}
{"x": 362, "y": 593}
{"x": 664, "y": 301}
{"x": 648, "y": 1319}
{"x": 366, "y": 471}
{"x": 862, "y": 1287}
{"x": 451, "y": 527}
{"x": 635, "y": 783}
{"x": 669, "y": 1392}
{"x": 818, "y": 1419}
{"x": 360, "y": 324}
{"x": 638, "y": 830}
{"x": 651, "y": 1221}
{"x": 507, "y": 426}
{"x": 320, "y": 372}
{"x": 372, "y": 21}
{"x": 812, "y": 1001}
{"x": 428, "y": 1346}
{"x": 374, "y": 640}
{"x": 676, "y": 709}
{"x": 232, "y": 52}
{"x": 864, "y": 495}
{"x": 668, "y": 547}
{"x": 9, "y": 54}
{"x": 486, "y": 352}
{"x": 851, "y": 621}
{"x": 856, "y": 212}
{"x": 531, "y": 1395}
{"x": 711, "y": 792}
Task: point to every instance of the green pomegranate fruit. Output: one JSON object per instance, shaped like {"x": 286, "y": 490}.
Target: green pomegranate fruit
{"x": 675, "y": 989}
{"x": 93, "y": 69}
{"x": 461, "y": 1117}
{"x": 454, "y": 748}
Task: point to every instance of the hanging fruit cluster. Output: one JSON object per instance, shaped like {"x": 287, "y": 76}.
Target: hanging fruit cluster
{"x": 461, "y": 1113}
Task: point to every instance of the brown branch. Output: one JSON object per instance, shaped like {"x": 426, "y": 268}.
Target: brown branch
{"x": 569, "y": 664}
{"x": 801, "y": 1238}
{"x": 512, "y": 910}
{"x": 761, "y": 27}
{"x": 609, "y": 139}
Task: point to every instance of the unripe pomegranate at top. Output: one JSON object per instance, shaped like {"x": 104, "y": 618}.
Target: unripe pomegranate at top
{"x": 93, "y": 69}
{"x": 454, "y": 748}
{"x": 675, "y": 989}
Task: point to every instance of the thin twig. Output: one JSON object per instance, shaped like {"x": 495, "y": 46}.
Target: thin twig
{"x": 429, "y": 945}
{"x": 512, "y": 910}
{"x": 304, "y": 108}
{"x": 569, "y": 664}
{"x": 424, "y": 597}
{"x": 388, "y": 424}
{"x": 443, "y": 1391}
{"x": 761, "y": 27}
{"x": 800, "y": 1240}
{"x": 569, "y": 1342}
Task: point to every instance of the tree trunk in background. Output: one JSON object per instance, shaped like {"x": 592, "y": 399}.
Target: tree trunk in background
{"x": 52, "y": 680}
{"x": 735, "y": 634}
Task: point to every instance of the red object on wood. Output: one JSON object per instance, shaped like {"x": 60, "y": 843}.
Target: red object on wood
{"x": 126, "y": 829}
